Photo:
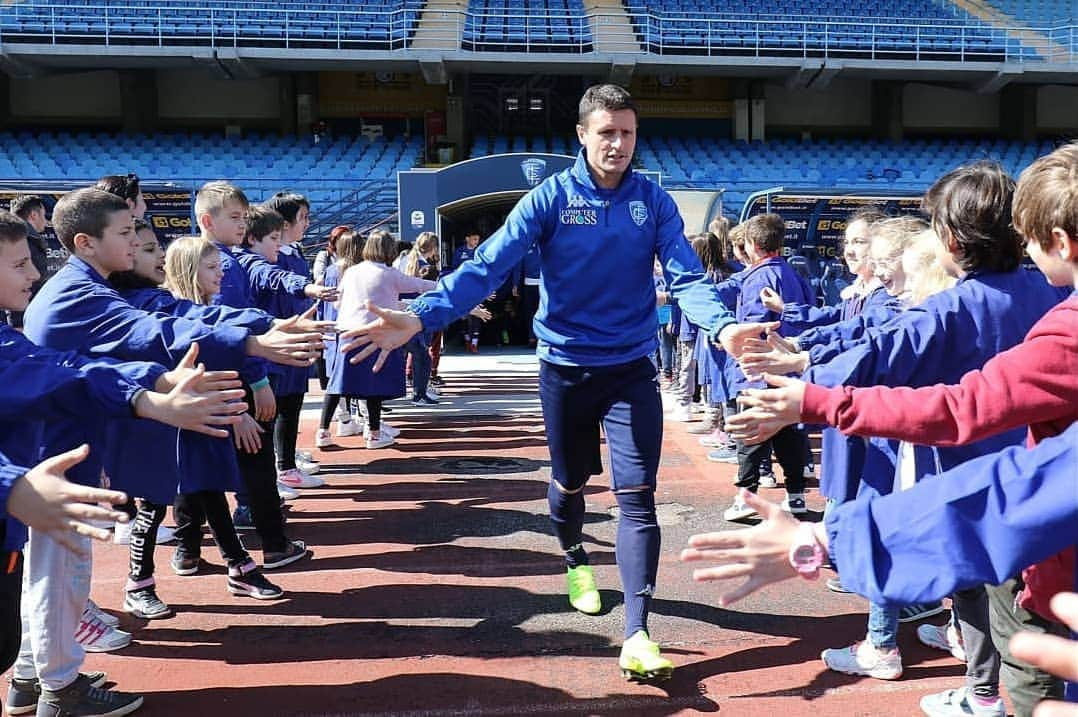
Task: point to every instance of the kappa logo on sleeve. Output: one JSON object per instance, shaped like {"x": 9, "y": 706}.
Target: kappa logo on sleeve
{"x": 639, "y": 212}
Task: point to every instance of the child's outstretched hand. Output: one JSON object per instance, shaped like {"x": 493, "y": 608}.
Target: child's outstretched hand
{"x": 773, "y": 355}
{"x": 286, "y": 344}
{"x": 322, "y": 293}
{"x": 759, "y": 554}
{"x": 772, "y": 300}
{"x": 247, "y": 435}
{"x": 47, "y": 502}
{"x": 194, "y": 405}
{"x": 305, "y": 323}
{"x": 207, "y": 380}
{"x": 767, "y": 411}
{"x": 265, "y": 403}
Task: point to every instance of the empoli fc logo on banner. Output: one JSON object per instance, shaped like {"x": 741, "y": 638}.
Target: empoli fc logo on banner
{"x": 534, "y": 169}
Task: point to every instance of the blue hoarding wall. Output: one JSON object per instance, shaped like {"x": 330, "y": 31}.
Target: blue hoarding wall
{"x": 815, "y": 223}
{"x": 420, "y": 192}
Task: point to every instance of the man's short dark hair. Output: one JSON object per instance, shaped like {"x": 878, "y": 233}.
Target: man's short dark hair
{"x": 12, "y": 228}
{"x": 604, "y": 97}
{"x": 262, "y": 221}
{"x": 973, "y": 205}
{"x": 287, "y": 204}
{"x": 766, "y": 232}
{"x": 85, "y": 211}
{"x": 24, "y": 204}
{"x": 125, "y": 187}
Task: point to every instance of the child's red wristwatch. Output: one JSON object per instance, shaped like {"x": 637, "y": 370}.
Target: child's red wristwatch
{"x": 806, "y": 553}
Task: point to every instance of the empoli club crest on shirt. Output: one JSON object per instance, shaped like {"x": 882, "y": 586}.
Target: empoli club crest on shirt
{"x": 639, "y": 212}
{"x": 534, "y": 169}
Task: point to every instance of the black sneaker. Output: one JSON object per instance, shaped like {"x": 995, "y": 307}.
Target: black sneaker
{"x": 296, "y": 550}
{"x": 184, "y": 565}
{"x": 22, "y": 695}
{"x": 913, "y": 613}
{"x": 248, "y": 580}
{"x": 437, "y": 381}
{"x": 145, "y": 604}
{"x": 82, "y": 698}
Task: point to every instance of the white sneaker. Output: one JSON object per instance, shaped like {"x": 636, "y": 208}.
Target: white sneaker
{"x": 285, "y": 492}
{"x": 862, "y": 658}
{"x": 682, "y": 414}
{"x": 391, "y": 431}
{"x": 305, "y": 456}
{"x": 959, "y": 703}
{"x": 96, "y": 636}
{"x": 295, "y": 478}
{"x": 342, "y": 413}
{"x": 322, "y": 439}
{"x": 92, "y": 608}
{"x": 308, "y": 467}
{"x": 738, "y": 511}
{"x": 381, "y": 441}
{"x": 943, "y": 637}
{"x": 349, "y": 428}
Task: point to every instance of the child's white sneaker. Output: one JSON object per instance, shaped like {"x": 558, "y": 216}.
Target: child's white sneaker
{"x": 348, "y": 428}
{"x": 863, "y": 658}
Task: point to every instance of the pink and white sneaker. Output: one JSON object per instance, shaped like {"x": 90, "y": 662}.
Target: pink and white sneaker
{"x": 295, "y": 478}
{"x": 95, "y": 636}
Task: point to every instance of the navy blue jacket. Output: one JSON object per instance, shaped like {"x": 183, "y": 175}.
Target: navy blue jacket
{"x": 39, "y": 384}
{"x": 77, "y": 310}
{"x": 938, "y": 341}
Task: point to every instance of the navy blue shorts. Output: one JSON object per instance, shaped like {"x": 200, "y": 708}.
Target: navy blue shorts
{"x": 623, "y": 399}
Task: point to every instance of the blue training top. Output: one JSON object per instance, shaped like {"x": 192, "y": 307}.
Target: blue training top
{"x": 597, "y": 249}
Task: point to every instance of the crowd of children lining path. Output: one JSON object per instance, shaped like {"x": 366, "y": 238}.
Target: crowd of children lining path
{"x": 144, "y": 377}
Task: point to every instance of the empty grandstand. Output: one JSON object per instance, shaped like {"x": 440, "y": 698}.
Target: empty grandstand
{"x": 333, "y": 97}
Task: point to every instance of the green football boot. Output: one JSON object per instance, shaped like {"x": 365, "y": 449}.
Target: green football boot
{"x": 583, "y": 595}
{"x": 640, "y": 660}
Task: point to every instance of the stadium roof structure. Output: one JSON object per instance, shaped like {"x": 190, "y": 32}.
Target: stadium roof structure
{"x": 41, "y": 36}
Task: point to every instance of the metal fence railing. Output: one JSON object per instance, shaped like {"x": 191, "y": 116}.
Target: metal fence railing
{"x": 636, "y": 30}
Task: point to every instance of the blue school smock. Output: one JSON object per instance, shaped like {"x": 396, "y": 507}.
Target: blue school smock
{"x": 180, "y": 461}
{"x": 160, "y": 300}
{"x": 852, "y": 465}
{"x": 360, "y": 380}
{"x": 9, "y": 473}
{"x": 776, "y": 274}
{"x": 1000, "y": 512}
{"x": 597, "y": 249}
{"x": 292, "y": 380}
{"x": 855, "y": 319}
{"x": 39, "y": 384}
{"x": 938, "y": 341}
{"x": 278, "y": 291}
{"x": 714, "y": 366}
{"x": 77, "y": 310}
{"x": 327, "y": 311}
